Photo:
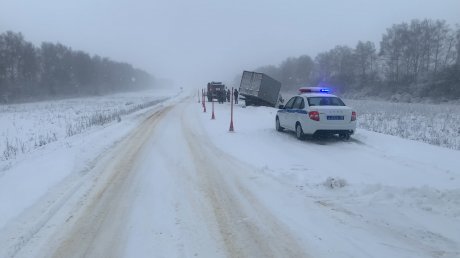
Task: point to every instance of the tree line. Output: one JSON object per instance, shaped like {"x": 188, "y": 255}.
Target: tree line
{"x": 53, "y": 70}
{"x": 415, "y": 60}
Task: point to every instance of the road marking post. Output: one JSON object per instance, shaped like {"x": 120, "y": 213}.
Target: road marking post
{"x": 212, "y": 116}
{"x": 231, "y": 113}
{"x": 204, "y": 102}
{"x": 202, "y": 98}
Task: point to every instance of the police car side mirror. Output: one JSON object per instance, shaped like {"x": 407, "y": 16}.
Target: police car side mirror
{"x": 281, "y": 106}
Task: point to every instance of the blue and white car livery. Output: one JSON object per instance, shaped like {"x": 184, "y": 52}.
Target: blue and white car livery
{"x": 316, "y": 112}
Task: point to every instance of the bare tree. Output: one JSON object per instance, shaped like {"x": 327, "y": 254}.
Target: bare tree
{"x": 56, "y": 70}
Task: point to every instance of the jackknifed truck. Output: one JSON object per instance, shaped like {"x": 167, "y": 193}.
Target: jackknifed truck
{"x": 259, "y": 89}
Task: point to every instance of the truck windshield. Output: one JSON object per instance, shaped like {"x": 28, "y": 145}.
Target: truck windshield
{"x": 325, "y": 101}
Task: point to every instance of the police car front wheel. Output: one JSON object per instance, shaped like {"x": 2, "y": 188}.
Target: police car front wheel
{"x": 279, "y": 128}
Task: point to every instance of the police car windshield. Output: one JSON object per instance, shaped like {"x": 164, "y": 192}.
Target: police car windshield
{"x": 325, "y": 101}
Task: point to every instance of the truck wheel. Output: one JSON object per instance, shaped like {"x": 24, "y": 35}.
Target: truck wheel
{"x": 299, "y": 132}
{"x": 344, "y": 136}
{"x": 279, "y": 128}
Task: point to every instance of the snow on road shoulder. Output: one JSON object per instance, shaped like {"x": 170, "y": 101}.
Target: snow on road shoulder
{"x": 405, "y": 163}
{"x": 385, "y": 185}
{"x": 24, "y": 181}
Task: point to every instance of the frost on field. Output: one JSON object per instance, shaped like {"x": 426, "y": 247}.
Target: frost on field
{"x": 25, "y": 127}
{"x": 437, "y": 124}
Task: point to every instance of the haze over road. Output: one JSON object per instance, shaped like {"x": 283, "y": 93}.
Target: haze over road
{"x": 171, "y": 39}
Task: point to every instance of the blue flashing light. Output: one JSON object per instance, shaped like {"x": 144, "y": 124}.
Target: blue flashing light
{"x": 314, "y": 89}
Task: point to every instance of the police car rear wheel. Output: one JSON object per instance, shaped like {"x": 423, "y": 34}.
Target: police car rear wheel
{"x": 344, "y": 136}
{"x": 299, "y": 132}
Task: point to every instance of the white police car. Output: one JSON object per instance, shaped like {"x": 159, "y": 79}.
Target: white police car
{"x": 316, "y": 112}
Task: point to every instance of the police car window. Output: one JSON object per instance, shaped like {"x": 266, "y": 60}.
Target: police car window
{"x": 290, "y": 103}
{"x": 302, "y": 104}
{"x": 297, "y": 103}
{"x": 325, "y": 101}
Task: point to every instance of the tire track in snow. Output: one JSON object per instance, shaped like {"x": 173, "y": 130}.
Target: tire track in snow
{"x": 248, "y": 229}
{"x": 98, "y": 228}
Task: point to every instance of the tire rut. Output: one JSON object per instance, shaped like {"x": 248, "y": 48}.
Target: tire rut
{"x": 247, "y": 228}
{"x": 97, "y": 229}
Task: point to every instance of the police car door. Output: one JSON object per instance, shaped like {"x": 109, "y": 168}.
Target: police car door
{"x": 297, "y": 111}
{"x": 285, "y": 114}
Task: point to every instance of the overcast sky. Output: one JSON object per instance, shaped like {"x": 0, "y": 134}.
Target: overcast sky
{"x": 195, "y": 41}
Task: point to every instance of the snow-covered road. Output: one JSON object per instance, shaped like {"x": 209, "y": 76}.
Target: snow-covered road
{"x": 166, "y": 194}
{"x": 180, "y": 185}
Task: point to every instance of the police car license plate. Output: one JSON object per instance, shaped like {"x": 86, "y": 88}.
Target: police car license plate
{"x": 334, "y": 117}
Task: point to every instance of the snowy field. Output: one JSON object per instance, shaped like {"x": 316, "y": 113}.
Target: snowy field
{"x": 437, "y": 124}
{"x": 26, "y": 127}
